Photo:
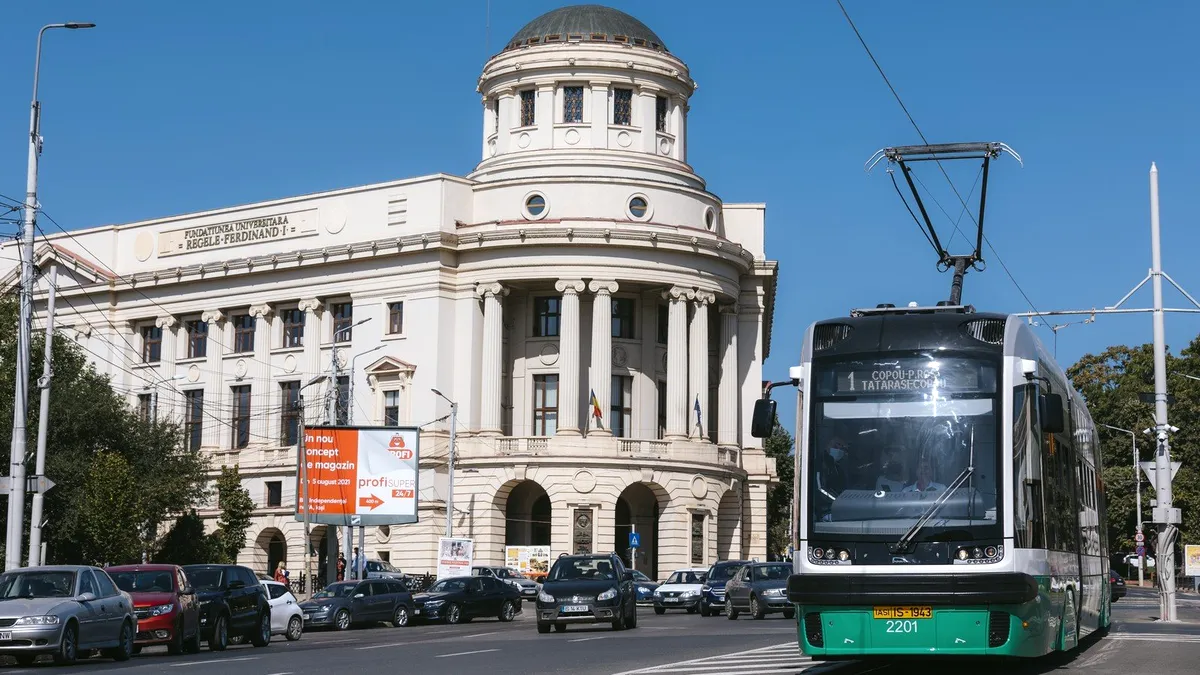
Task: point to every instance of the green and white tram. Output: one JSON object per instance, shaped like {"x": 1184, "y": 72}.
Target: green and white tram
{"x": 950, "y": 496}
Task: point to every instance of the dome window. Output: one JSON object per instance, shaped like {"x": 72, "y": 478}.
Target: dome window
{"x": 535, "y": 206}
{"x": 638, "y": 207}
{"x": 710, "y": 217}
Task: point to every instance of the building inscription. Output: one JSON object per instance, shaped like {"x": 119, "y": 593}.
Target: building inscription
{"x": 217, "y": 236}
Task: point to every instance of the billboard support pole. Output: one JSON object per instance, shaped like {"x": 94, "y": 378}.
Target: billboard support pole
{"x": 303, "y": 459}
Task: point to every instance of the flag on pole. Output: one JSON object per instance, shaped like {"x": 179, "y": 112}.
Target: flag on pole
{"x": 596, "y": 406}
{"x": 697, "y": 409}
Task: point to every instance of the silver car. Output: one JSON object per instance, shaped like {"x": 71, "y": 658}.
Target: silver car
{"x": 62, "y": 610}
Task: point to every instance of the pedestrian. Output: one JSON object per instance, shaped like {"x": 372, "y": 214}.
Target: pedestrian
{"x": 356, "y": 562}
{"x": 281, "y": 573}
{"x": 341, "y": 567}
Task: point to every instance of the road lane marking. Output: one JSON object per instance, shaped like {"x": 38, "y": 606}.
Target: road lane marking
{"x": 212, "y": 661}
{"x": 598, "y": 637}
{"x": 390, "y": 644}
{"x": 477, "y": 651}
{"x": 772, "y": 659}
{"x": 481, "y": 634}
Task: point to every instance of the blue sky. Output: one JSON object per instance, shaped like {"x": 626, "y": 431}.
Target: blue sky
{"x": 168, "y": 108}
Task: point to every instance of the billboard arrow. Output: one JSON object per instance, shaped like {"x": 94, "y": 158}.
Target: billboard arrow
{"x": 371, "y": 502}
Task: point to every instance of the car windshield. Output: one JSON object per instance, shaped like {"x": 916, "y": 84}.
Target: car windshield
{"x": 772, "y": 573}
{"x": 641, "y": 576}
{"x": 723, "y": 572}
{"x": 336, "y": 591}
{"x": 37, "y": 585}
{"x": 143, "y": 582}
{"x": 505, "y": 573}
{"x": 448, "y": 586}
{"x": 206, "y": 578}
{"x": 582, "y": 569}
{"x": 892, "y": 437}
{"x": 686, "y": 577}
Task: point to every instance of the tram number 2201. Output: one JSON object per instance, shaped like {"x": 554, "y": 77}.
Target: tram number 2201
{"x": 894, "y": 626}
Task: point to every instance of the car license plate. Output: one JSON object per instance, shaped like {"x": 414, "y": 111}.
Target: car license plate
{"x": 921, "y": 612}
{"x": 670, "y": 599}
{"x": 572, "y": 609}
{"x": 6, "y": 636}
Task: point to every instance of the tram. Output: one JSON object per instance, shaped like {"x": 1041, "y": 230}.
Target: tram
{"x": 950, "y": 498}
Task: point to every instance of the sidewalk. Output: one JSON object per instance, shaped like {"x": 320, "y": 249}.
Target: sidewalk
{"x": 1138, "y": 611}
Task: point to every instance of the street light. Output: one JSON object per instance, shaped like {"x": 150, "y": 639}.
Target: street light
{"x": 1190, "y": 377}
{"x": 350, "y": 395}
{"x": 331, "y": 411}
{"x": 303, "y": 459}
{"x": 1137, "y": 477}
{"x": 16, "y": 482}
{"x": 450, "y": 465}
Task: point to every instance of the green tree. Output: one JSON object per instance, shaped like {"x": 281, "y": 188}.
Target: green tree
{"x": 780, "y": 445}
{"x": 236, "y": 511}
{"x": 187, "y": 543}
{"x": 106, "y": 490}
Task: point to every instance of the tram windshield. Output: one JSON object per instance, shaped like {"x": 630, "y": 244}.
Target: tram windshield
{"x": 896, "y": 438}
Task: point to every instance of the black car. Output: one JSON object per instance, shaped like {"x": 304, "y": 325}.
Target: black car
{"x": 348, "y": 602}
{"x": 232, "y": 603}
{"x": 587, "y": 589}
{"x": 1116, "y": 582}
{"x": 712, "y": 593}
{"x": 460, "y": 599}
{"x": 759, "y": 589}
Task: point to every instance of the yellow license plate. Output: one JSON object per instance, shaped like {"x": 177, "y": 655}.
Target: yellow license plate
{"x": 903, "y": 613}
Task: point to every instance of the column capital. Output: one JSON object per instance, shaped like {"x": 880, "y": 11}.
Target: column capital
{"x": 679, "y": 293}
{"x": 727, "y": 308}
{"x": 493, "y": 289}
{"x": 603, "y": 287}
{"x": 166, "y": 322}
{"x": 260, "y": 311}
{"x": 83, "y": 328}
{"x": 213, "y": 316}
{"x": 704, "y": 298}
{"x": 309, "y": 305}
{"x": 569, "y": 286}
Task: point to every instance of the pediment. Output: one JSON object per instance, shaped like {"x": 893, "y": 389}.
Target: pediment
{"x": 390, "y": 365}
{"x": 73, "y": 269}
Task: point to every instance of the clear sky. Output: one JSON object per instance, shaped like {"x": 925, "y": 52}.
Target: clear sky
{"x": 167, "y": 108}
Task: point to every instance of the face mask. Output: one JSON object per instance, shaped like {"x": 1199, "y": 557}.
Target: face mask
{"x": 837, "y": 454}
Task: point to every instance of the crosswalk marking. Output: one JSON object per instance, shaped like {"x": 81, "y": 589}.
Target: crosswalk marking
{"x": 1155, "y": 637}
{"x": 784, "y": 659}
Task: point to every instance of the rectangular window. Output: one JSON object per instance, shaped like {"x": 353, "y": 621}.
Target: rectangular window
{"x": 697, "y": 538}
{"x": 289, "y": 430}
{"x": 243, "y": 333}
{"x": 664, "y": 324}
{"x": 623, "y": 310}
{"x": 274, "y": 494}
{"x": 545, "y": 405}
{"x": 547, "y": 312}
{"x": 623, "y": 107}
{"x": 528, "y": 103}
{"x": 395, "y": 318}
{"x": 343, "y": 399}
{"x": 572, "y": 104}
{"x": 495, "y": 106}
{"x": 662, "y": 409}
{"x": 391, "y": 408}
{"x": 193, "y": 419}
{"x": 241, "y": 415}
{"x": 293, "y": 327}
{"x": 197, "y": 332}
{"x": 343, "y": 318}
{"x": 151, "y": 344}
{"x": 146, "y": 407}
{"x": 660, "y": 113}
{"x": 621, "y": 411}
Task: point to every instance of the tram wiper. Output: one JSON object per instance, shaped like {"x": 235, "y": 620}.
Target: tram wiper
{"x": 906, "y": 541}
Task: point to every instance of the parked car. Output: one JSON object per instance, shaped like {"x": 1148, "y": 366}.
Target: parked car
{"x": 712, "y": 593}
{"x": 527, "y": 587}
{"x": 460, "y": 599}
{"x": 165, "y": 606}
{"x": 760, "y": 589}
{"x": 645, "y": 588}
{"x": 63, "y": 610}
{"x": 681, "y": 591}
{"x": 382, "y": 569}
{"x": 1117, "y": 583}
{"x": 232, "y": 602}
{"x": 587, "y": 589}
{"x": 346, "y": 603}
{"x": 287, "y": 619}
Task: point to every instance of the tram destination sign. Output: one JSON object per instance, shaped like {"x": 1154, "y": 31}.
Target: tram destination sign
{"x": 911, "y": 376}
{"x": 217, "y": 236}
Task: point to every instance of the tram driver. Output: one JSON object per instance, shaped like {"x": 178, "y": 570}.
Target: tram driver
{"x": 925, "y": 481}
{"x": 831, "y": 477}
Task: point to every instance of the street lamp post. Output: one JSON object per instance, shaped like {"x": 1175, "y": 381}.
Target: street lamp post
{"x": 302, "y": 456}
{"x": 335, "y": 371}
{"x": 16, "y": 481}
{"x": 450, "y": 465}
{"x": 350, "y": 404}
{"x": 1137, "y": 477}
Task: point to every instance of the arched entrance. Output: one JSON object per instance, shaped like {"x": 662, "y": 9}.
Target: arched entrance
{"x": 729, "y": 530}
{"x": 527, "y": 515}
{"x": 638, "y": 511}
{"x": 322, "y": 543}
{"x": 272, "y": 549}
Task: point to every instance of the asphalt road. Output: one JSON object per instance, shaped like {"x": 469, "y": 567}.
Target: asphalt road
{"x": 675, "y": 644}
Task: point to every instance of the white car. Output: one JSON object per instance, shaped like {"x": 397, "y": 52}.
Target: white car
{"x": 287, "y": 619}
{"x": 681, "y": 591}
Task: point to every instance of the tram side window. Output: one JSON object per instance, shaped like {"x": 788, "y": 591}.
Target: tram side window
{"x": 1062, "y": 501}
{"x": 1027, "y": 474}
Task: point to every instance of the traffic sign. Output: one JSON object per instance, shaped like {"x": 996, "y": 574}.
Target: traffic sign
{"x": 1150, "y": 469}
{"x": 32, "y": 483}
{"x": 635, "y": 540}
{"x": 1139, "y": 537}
{"x": 1141, "y": 551}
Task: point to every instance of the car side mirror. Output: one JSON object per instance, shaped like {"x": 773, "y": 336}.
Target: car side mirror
{"x": 187, "y": 590}
{"x": 85, "y": 597}
{"x": 234, "y": 585}
{"x": 763, "y": 421}
{"x": 358, "y": 596}
{"x": 1052, "y": 414}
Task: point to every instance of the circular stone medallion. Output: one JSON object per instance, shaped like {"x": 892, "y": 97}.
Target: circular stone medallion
{"x": 619, "y": 356}
{"x": 584, "y": 481}
{"x": 240, "y": 368}
{"x": 571, "y": 137}
{"x": 193, "y": 373}
{"x": 333, "y": 217}
{"x": 523, "y": 140}
{"x": 699, "y": 487}
{"x": 624, "y": 139}
{"x": 549, "y": 354}
{"x": 289, "y": 363}
{"x": 143, "y": 246}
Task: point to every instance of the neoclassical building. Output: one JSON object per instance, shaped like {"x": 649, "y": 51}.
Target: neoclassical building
{"x": 600, "y": 317}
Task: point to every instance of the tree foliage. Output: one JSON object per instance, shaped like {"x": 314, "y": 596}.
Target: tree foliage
{"x": 187, "y": 543}
{"x": 236, "y": 511}
{"x": 779, "y": 498}
{"x": 92, "y": 430}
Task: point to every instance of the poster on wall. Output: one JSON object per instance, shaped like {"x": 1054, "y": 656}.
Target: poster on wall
{"x": 455, "y": 557}
{"x": 1191, "y": 560}
{"x": 359, "y": 475}
{"x": 531, "y": 561}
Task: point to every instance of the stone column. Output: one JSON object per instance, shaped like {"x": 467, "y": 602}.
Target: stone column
{"x": 698, "y": 367}
{"x": 647, "y": 117}
{"x": 506, "y": 108}
{"x": 677, "y": 362}
{"x": 259, "y": 373}
{"x": 599, "y": 111}
{"x": 600, "y": 380}
{"x": 727, "y": 393}
{"x": 491, "y": 374}
{"x": 568, "y": 357}
{"x": 213, "y": 363}
{"x": 166, "y": 388}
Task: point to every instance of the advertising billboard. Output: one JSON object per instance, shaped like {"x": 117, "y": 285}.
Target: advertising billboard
{"x": 532, "y": 561}
{"x": 1191, "y": 560}
{"x": 455, "y": 556}
{"x": 359, "y": 475}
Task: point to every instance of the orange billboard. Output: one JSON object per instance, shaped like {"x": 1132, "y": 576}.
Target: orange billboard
{"x": 359, "y": 475}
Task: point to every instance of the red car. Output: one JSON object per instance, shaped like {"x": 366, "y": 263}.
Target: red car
{"x": 164, "y": 604}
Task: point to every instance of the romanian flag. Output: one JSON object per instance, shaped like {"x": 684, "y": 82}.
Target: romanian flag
{"x": 697, "y": 409}
{"x": 596, "y": 406}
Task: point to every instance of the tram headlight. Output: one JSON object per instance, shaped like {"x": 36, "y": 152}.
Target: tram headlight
{"x": 962, "y": 554}
{"x": 990, "y": 552}
{"x": 976, "y": 554}
{"x": 843, "y": 555}
{"x": 830, "y": 554}
{"x": 818, "y": 553}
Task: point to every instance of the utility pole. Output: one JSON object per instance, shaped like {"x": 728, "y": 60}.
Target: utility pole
{"x": 16, "y": 474}
{"x": 39, "y": 495}
{"x": 302, "y": 457}
{"x": 450, "y": 465}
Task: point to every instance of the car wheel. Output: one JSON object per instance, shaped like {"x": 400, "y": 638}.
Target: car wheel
{"x": 400, "y": 617}
{"x": 295, "y": 629}
{"x": 619, "y": 622}
{"x": 560, "y": 628}
{"x": 730, "y": 612}
{"x": 175, "y": 646}
{"x": 631, "y": 622}
{"x": 756, "y": 609}
{"x": 341, "y": 620}
{"x": 219, "y": 641}
{"x": 507, "y": 611}
{"x": 192, "y": 644}
{"x": 262, "y": 636}
{"x": 789, "y": 613}
{"x": 543, "y": 628}
{"x": 691, "y": 610}
{"x": 453, "y": 614}
{"x": 68, "y": 646}
{"x": 124, "y": 649}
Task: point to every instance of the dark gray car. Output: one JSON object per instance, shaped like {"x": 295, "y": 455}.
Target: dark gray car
{"x": 349, "y": 602}
{"x": 759, "y": 589}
